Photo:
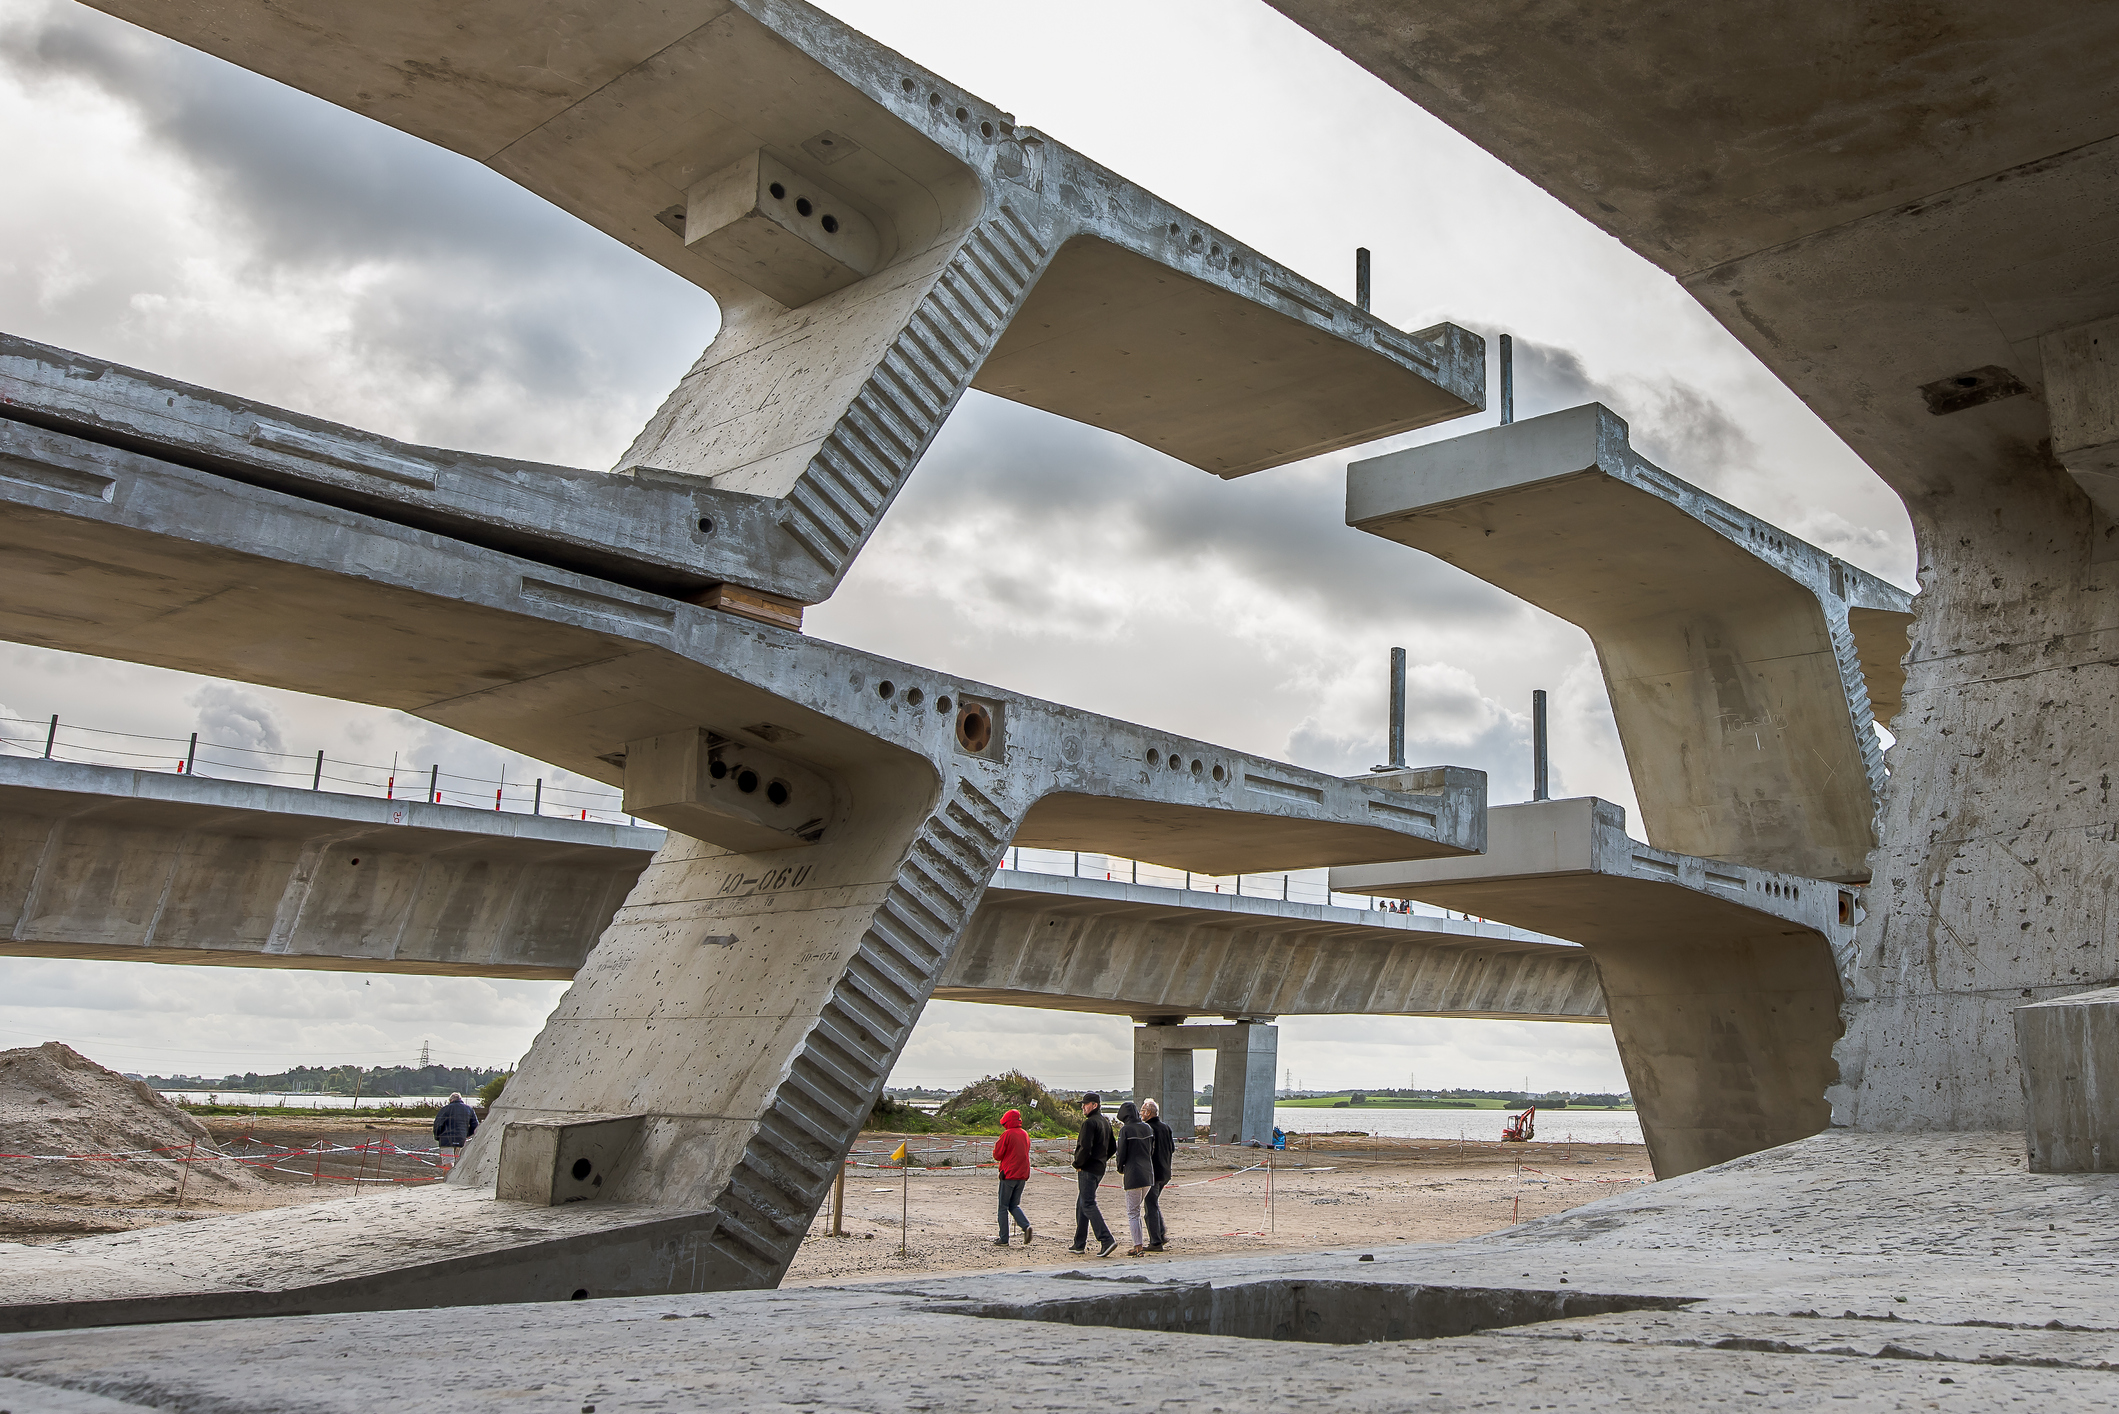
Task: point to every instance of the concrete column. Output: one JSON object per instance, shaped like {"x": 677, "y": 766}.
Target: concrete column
{"x": 1176, "y": 1093}
{"x": 1244, "y": 1061}
{"x": 1162, "y": 1069}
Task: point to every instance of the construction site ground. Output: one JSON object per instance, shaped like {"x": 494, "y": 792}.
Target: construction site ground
{"x": 1336, "y": 1192}
{"x": 1340, "y": 1190}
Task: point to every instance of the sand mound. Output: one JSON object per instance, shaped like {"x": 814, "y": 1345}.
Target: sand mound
{"x": 53, "y": 1100}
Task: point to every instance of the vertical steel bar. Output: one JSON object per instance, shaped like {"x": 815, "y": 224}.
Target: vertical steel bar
{"x": 1397, "y": 709}
{"x": 434, "y": 787}
{"x": 1539, "y": 752}
{"x": 537, "y": 800}
{"x": 51, "y": 735}
{"x": 1508, "y": 380}
{"x": 191, "y": 754}
{"x": 1361, "y": 277}
{"x": 316, "y": 782}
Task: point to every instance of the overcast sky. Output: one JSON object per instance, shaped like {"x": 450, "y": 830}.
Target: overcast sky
{"x": 173, "y": 213}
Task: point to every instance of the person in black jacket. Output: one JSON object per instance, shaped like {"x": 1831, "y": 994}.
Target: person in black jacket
{"x": 454, "y": 1124}
{"x": 1093, "y": 1149}
{"x": 1165, "y": 1150}
{"x": 1136, "y": 1167}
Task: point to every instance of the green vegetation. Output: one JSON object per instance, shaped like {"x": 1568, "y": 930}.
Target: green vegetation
{"x": 380, "y": 1081}
{"x": 490, "y": 1091}
{"x": 411, "y": 1110}
{"x": 978, "y": 1107}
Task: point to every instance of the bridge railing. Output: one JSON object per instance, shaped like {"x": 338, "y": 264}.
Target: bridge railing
{"x": 1297, "y": 886}
{"x": 566, "y": 797}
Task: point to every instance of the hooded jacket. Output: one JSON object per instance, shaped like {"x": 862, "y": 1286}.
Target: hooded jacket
{"x": 1012, "y": 1150}
{"x": 1136, "y": 1149}
{"x": 1094, "y": 1146}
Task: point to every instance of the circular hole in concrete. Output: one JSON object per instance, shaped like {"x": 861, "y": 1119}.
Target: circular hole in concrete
{"x": 1198, "y": 766}
{"x": 1155, "y": 758}
{"x": 777, "y": 792}
{"x": 907, "y": 84}
{"x": 886, "y": 689}
{"x": 985, "y": 130}
{"x": 746, "y": 780}
{"x": 1173, "y": 228}
{"x": 974, "y": 727}
{"x": 941, "y": 704}
{"x": 802, "y": 206}
{"x": 356, "y": 861}
{"x": 581, "y": 1293}
{"x": 717, "y": 769}
{"x": 1220, "y": 775}
{"x": 779, "y": 192}
{"x": 1176, "y": 762}
{"x": 962, "y": 114}
{"x": 706, "y": 525}
{"x": 831, "y": 224}
{"x": 934, "y": 100}
{"x": 914, "y": 697}
{"x": 582, "y": 1169}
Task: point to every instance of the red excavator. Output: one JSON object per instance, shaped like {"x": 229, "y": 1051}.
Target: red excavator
{"x": 1520, "y": 1128}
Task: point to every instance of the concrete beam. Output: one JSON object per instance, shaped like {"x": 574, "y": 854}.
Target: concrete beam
{"x": 1722, "y": 981}
{"x": 121, "y": 865}
{"x": 100, "y": 862}
{"x": 747, "y": 1006}
{"x": 1738, "y": 658}
{"x": 990, "y": 256}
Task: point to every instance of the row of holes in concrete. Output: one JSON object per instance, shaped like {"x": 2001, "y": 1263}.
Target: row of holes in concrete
{"x": 1177, "y": 763}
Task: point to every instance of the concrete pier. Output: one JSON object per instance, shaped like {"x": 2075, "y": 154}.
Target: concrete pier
{"x": 1746, "y": 668}
{"x": 1723, "y": 982}
{"x": 1246, "y": 1060}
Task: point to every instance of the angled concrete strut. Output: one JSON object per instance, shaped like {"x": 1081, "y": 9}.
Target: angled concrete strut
{"x": 744, "y": 146}
{"x": 1722, "y": 981}
{"x": 1746, "y": 668}
{"x": 747, "y": 1001}
{"x": 126, "y": 865}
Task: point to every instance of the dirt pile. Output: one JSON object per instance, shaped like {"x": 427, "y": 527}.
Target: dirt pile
{"x": 981, "y": 1104}
{"x": 54, "y": 1100}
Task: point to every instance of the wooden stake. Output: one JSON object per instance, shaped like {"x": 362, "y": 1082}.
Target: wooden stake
{"x": 838, "y": 1202}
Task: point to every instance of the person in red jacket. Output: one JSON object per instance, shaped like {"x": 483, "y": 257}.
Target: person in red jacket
{"x": 1012, "y": 1152}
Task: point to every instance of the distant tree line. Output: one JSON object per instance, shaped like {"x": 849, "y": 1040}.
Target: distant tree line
{"x": 376, "y": 1080}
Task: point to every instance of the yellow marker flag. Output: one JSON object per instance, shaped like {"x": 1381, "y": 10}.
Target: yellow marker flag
{"x": 902, "y": 1155}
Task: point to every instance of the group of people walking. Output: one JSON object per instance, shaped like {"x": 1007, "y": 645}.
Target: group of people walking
{"x": 1142, "y": 1146}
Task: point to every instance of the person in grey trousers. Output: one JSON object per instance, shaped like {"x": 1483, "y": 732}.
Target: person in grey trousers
{"x": 1136, "y": 1167}
{"x": 1165, "y": 1152}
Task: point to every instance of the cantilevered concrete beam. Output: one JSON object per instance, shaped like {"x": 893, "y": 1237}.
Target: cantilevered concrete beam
{"x": 122, "y": 865}
{"x": 878, "y": 240}
{"x": 749, "y": 998}
{"x": 1722, "y": 981}
{"x": 1746, "y": 668}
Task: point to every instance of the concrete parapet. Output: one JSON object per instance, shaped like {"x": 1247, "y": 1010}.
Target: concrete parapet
{"x": 2068, "y": 1049}
{"x": 1746, "y": 668}
{"x": 1723, "y": 982}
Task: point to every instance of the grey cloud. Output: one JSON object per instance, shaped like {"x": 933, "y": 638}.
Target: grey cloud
{"x": 229, "y": 716}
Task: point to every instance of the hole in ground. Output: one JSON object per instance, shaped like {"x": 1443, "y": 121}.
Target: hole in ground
{"x": 1321, "y": 1312}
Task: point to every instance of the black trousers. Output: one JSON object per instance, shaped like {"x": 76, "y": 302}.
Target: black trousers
{"x": 1086, "y": 1213}
{"x": 1151, "y": 1211}
{"x": 1012, "y": 1203}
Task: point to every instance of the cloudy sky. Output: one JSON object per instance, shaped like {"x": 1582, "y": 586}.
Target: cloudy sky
{"x": 173, "y": 213}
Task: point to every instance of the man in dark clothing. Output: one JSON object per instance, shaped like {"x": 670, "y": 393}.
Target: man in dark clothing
{"x": 1136, "y": 1168}
{"x": 1012, "y": 1152}
{"x": 454, "y": 1125}
{"x": 1092, "y": 1151}
{"x": 1165, "y": 1151}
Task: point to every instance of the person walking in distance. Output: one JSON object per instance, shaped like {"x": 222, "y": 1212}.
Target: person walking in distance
{"x": 1151, "y": 1206}
{"x": 1093, "y": 1149}
{"x": 1012, "y": 1152}
{"x": 454, "y": 1125}
{"x": 1136, "y": 1168}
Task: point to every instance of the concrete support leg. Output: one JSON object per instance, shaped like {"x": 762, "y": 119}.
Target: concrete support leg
{"x": 749, "y": 1008}
{"x": 1727, "y": 1046}
{"x": 1245, "y": 1059}
{"x": 1175, "y": 1094}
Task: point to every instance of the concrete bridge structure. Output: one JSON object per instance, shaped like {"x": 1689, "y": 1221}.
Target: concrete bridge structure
{"x": 879, "y": 240}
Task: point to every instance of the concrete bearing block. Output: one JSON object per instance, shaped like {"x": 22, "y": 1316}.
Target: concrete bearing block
{"x": 725, "y": 792}
{"x": 2069, "y": 1049}
{"x": 551, "y": 1162}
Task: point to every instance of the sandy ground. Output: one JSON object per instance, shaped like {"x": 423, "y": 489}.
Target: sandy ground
{"x": 39, "y": 1218}
{"x": 1337, "y": 1193}
{"x": 1340, "y": 1192}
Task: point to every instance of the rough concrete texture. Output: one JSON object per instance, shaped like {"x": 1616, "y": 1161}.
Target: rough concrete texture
{"x": 1905, "y": 214}
{"x": 1722, "y": 982}
{"x": 1742, "y": 663}
{"x": 1000, "y": 259}
{"x": 127, "y": 865}
{"x": 2068, "y": 1048}
{"x": 1918, "y": 1272}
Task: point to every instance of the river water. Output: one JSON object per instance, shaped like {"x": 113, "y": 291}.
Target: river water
{"x": 269, "y": 1100}
{"x": 1584, "y": 1126}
